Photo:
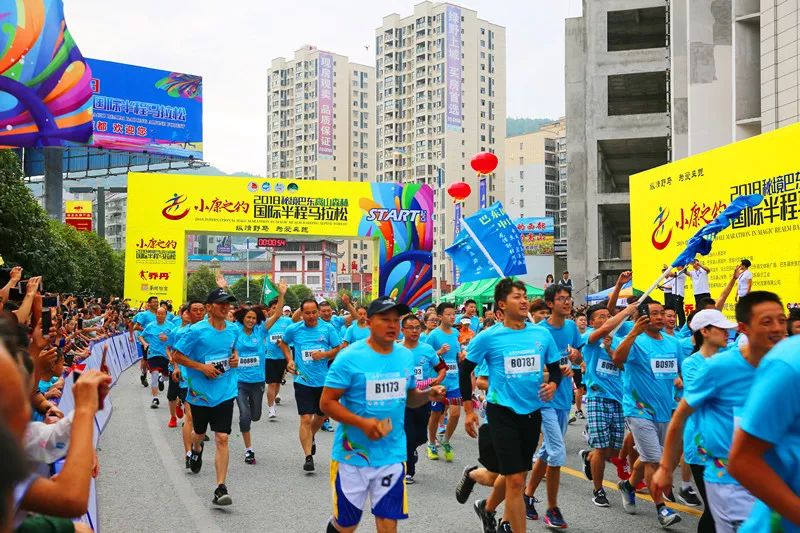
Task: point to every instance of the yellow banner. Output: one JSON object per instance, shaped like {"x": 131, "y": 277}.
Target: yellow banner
{"x": 670, "y": 203}
{"x": 78, "y": 214}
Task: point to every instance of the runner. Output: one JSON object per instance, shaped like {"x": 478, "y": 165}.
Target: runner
{"x": 141, "y": 321}
{"x": 367, "y": 390}
{"x": 431, "y": 323}
{"x": 650, "y": 364}
{"x": 207, "y": 351}
{"x": 154, "y": 340}
{"x": 174, "y": 383}
{"x": 430, "y": 370}
{"x": 357, "y": 330}
{"x": 444, "y": 340}
{"x": 276, "y": 362}
{"x": 471, "y": 316}
{"x": 552, "y": 454}
{"x": 315, "y": 342}
{"x": 516, "y": 354}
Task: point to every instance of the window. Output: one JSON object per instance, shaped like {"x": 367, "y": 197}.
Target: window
{"x": 312, "y": 265}
{"x": 521, "y": 203}
{"x": 313, "y": 279}
{"x": 290, "y": 280}
{"x": 288, "y": 265}
{"x": 522, "y": 174}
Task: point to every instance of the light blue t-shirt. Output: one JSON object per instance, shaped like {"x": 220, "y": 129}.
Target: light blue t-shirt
{"x": 474, "y": 323}
{"x": 693, "y": 368}
{"x": 565, "y": 336}
{"x": 624, "y": 329}
{"x": 206, "y": 345}
{"x": 275, "y": 334}
{"x": 516, "y": 359}
{"x": 425, "y": 361}
{"x": 687, "y": 347}
{"x": 772, "y": 414}
{"x": 648, "y": 380}
{"x": 305, "y": 340}
{"x": 375, "y": 386}
{"x": 252, "y": 350}
{"x": 336, "y": 321}
{"x": 174, "y": 336}
{"x": 355, "y": 333}
{"x": 144, "y": 318}
{"x": 438, "y": 338}
{"x": 717, "y": 396}
{"x": 152, "y": 334}
{"x": 176, "y": 320}
{"x": 602, "y": 377}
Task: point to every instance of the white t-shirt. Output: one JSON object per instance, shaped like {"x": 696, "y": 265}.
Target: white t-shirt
{"x": 700, "y": 281}
{"x": 668, "y": 285}
{"x": 743, "y": 279}
{"x": 680, "y": 284}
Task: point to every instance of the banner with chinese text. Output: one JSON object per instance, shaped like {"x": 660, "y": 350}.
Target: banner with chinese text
{"x": 78, "y": 214}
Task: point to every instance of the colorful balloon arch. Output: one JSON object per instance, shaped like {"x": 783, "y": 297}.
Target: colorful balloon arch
{"x": 45, "y": 83}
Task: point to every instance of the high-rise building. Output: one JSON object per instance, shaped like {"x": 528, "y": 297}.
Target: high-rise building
{"x": 559, "y": 130}
{"x": 441, "y": 88}
{"x": 321, "y": 125}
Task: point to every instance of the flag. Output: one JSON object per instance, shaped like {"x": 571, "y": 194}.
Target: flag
{"x": 488, "y": 246}
{"x": 700, "y": 243}
{"x": 268, "y": 291}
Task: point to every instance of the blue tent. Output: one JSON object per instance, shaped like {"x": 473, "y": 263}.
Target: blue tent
{"x": 626, "y": 291}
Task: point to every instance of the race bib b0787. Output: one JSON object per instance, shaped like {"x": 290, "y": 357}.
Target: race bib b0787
{"x": 522, "y": 364}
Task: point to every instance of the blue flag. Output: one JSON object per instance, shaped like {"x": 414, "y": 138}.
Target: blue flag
{"x": 700, "y": 243}
{"x": 489, "y": 245}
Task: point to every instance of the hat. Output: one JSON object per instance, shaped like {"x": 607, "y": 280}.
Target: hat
{"x": 466, "y": 321}
{"x": 381, "y": 305}
{"x": 286, "y": 308}
{"x": 710, "y": 317}
{"x": 219, "y": 296}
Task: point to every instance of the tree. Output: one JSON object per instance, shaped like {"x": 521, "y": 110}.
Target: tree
{"x": 239, "y": 289}
{"x": 291, "y": 299}
{"x": 200, "y": 283}
{"x": 300, "y": 292}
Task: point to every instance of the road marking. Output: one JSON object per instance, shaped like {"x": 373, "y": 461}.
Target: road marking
{"x": 646, "y": 497}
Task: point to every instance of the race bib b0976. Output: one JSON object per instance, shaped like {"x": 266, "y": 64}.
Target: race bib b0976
{"x": 664, "y": 367}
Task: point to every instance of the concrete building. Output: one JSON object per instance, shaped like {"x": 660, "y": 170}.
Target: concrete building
{"x": 321, "y": 124}
{"x": 441, "y": 87}
{"x": 312, "y": 263}
{"x": 559, "y": 131}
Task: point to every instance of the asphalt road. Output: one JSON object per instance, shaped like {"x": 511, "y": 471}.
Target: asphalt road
{"x": 143, "y": 484}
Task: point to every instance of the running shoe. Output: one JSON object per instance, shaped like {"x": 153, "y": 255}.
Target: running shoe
{"x": 206, "y": 438}
{"x": 554, "y": 520}
{"x": 580, "y": 415}
{"x": 188, "y": 460}
{"x": 196, "y": 460}
{"x": 587, "y": 467}
{"x": 272, "y": 414}
{"x": 144, "y": 381}
{"x": 642, "y": 488}
{"x": 278, "y": 398}
{"x": 154, "y": 404}
{"x": 669, "y": 496}
{"x": 173, "y": 422}
{"x": 623, "y": 472}
{"x": 628, "y": 497}
{"x": 487, "y": 517}
{"x": 667, "y": 517}
{"x": 250, "y": 457}
{"x": 410, "y": 480}
{"x": 530, "y": 510}
{"x": 327, "y": 426}
{"x": 161, "y": 382}
{"x": 505, "y": 527}
{"x": 599, "y": 498}
{"x": 433, "y": 452}
{"x": 221, "y": 496}
{"x": 308, "y": 466}
{"x": 465, "y": 485}
{"x": 179, "y": 410}
{"x": 448, "y": 452}
{"x": 689, "y": 497}
{"x": 571, "y": 418}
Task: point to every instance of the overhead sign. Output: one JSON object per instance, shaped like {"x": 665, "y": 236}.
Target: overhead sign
{"x": 78, "y": 214}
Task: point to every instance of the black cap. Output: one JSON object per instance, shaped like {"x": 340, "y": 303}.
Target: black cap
{"x": 219, "y": 296}
{"x": 381, "y": 305}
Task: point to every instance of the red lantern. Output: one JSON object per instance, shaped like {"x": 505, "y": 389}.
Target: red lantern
{"x": 484, "y": 162}
{"x": 459, "y": 190}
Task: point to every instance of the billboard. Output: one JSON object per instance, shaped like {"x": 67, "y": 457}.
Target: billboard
{"x": 164, "y": 209}
{"x": 482, "y": 193}
{"x": 78, "y": 214}
{"x": 453, "y": 64}
{"x": 325, "y": 103}
{"x": 141, "y": 109}
{"x": 671, "y": 202}
{"x": 537, "y": 235}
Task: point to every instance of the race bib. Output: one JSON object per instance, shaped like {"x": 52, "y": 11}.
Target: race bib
{"x": 452, "y": 368}
{"x": 664, "y": 367}
{"x": 522, "y": 364}
{"x": 607, "y": 368}
{"x": 275, "y": 338}
{"x": 220, "y": 364}
{"x": 248, "y": 362}
{"x": 379, "y": 390}
{"x": 418, "y": 373}
{"x": 306, "y": 354}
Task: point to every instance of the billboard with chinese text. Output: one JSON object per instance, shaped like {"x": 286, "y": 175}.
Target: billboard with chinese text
{"x": 453, "y": 64}
{"x": 537, "y": 235}
{"x": 671, "y": 202}
{"x": 78, "y": 214}
{"x": 325, "y": 103}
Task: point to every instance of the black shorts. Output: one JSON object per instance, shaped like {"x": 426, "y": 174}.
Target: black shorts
{"x": 486, "y": 454}
{"x": 173, "y": 391}
{"x": 514, "y": 437}
{"x": 158, "y": 363}
{"x": 275, "y": 370}
{"x": 577, "y": 378}
{"x": 218, "y": 417}
{"x": 307, "y": 399}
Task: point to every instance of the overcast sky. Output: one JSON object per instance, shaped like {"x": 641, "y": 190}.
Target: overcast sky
{"x": 231, "y": 45}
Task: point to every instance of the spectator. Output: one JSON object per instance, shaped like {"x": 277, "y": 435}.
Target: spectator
{"x": 745, "y": 282}
{"x": 793, "y": 324}
{"x": 549, "y": 280}
{"x": 565, "y": 280}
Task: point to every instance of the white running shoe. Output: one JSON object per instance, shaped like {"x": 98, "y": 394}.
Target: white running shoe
{"x": 272, "y": 413}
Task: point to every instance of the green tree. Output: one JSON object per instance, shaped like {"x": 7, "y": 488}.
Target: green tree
{"x": 291, "y": 299}
{"x": 239, "y": 289}
{"x": 200, "y": 283}
{"x": 300, "y": 292}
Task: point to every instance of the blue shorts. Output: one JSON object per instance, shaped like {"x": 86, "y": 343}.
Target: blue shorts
{"x": 554, "y": 427}
{"x": 385, "y": 486}
{"x": 438, "y": 407}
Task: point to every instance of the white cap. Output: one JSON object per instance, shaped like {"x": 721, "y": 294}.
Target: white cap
{"x": 287, "y": 308}
{"x": 711, "y": 317}
{"x": 466, "y": 321}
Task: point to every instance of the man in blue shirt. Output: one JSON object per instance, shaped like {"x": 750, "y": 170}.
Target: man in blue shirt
{"x": 367, "y": 390}
{"x": 315, "y": 343}
{"x": 207, "y": 352}
{"x": 358, "y": 330}
{"x": 139, "y": 322}
{"x": 650, "y": 361}
{"x": 275, "y": 366}
{"x": 471, "y": 313}
{"x": 154, "y": 339}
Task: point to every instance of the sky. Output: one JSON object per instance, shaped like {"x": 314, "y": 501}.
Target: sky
{"x": 232, "y": 47}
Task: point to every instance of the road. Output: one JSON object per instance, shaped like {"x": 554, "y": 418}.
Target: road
{"x": 143, "y": 484}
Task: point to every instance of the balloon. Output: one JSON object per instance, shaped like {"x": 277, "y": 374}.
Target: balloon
{"x": 459, "y": 190}
{"x": 484, "y": 162}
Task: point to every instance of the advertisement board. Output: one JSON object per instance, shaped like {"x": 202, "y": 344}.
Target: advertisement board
{"x": 537, "y": 235}
{"x": 671, "y": 202}
{"x": 325, "y": 103}
{"x": 141, "y": 109}
{"x": 163, "y": 210}
{"x": 453, "y": 65}
{"x": 78, "y": 214}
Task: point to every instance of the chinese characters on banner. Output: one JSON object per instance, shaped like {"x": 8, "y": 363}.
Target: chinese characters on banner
{"x": 482, "y": 193}
{"x": 453, "y": 64}
{"x": 325, "y": 103}
{"x": 456, "y": 231}
{"x": 537, "y": 235}
{"x": 78, "y": 214}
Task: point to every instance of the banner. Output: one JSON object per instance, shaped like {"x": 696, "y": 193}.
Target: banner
{"x": 164, "y": 209}
{"x": 224, "y": 246}
{"x": 453, "y": 65}
{"x": 325, "y": 105}
{"x": 78, "y": 214}
{"x": 537, "y": 235}
{"x": 456, "y": 231}
{"x": 671, "y": 203}
{"x": 482, "y": 193}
